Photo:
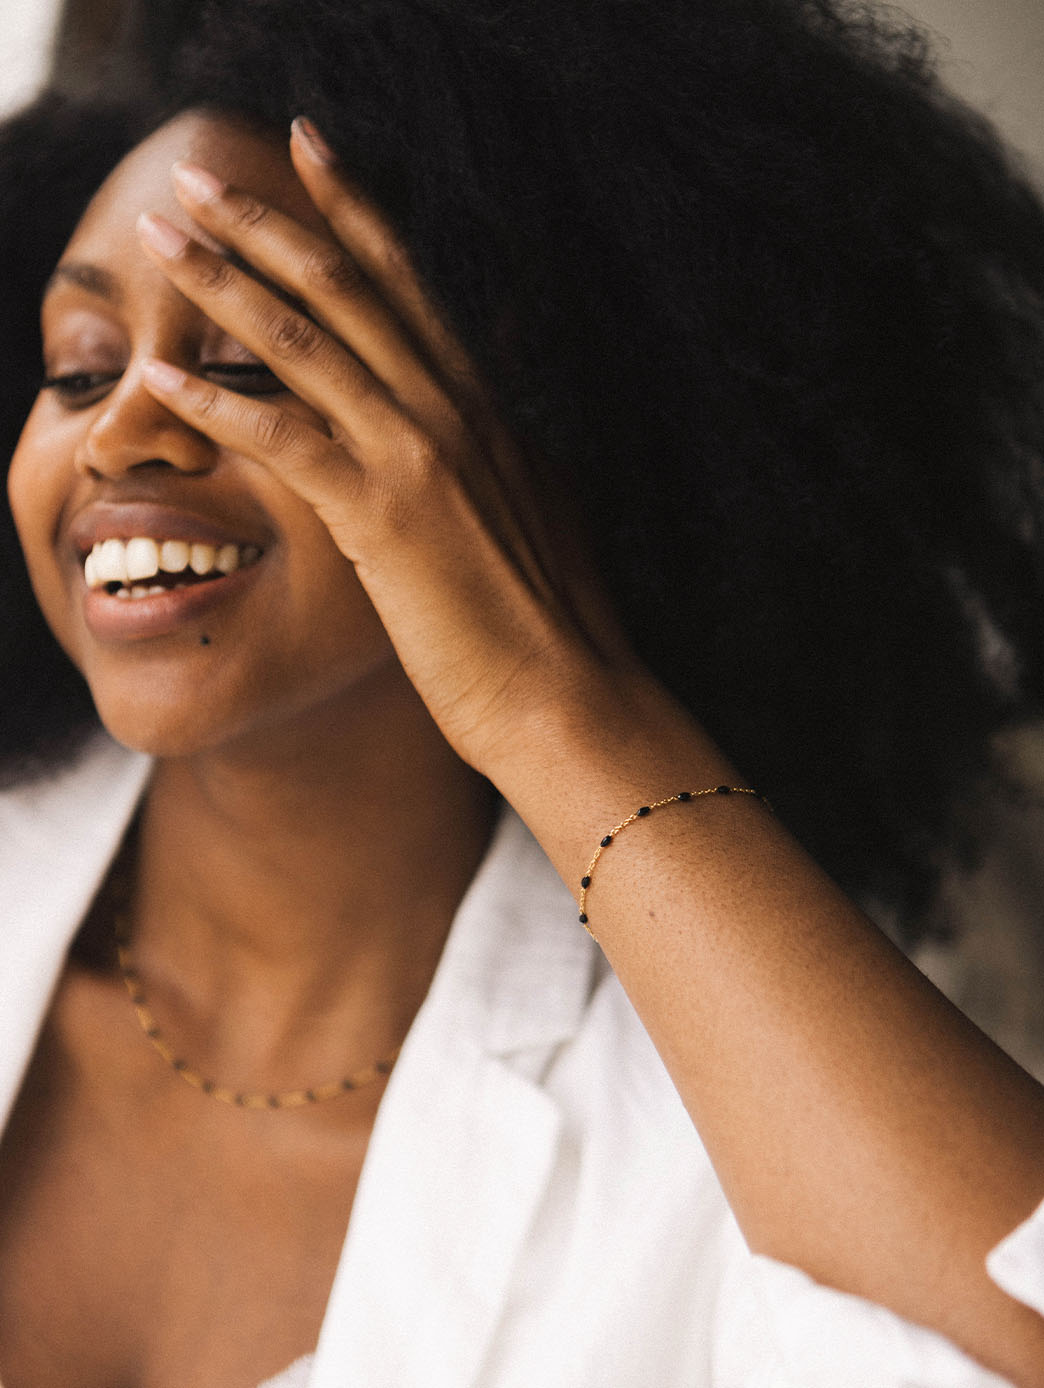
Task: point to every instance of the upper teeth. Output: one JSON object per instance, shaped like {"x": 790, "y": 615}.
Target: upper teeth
{"x": 125, "y": 561}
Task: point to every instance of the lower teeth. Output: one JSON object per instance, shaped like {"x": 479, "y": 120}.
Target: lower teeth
{"x": 136, "y": 593}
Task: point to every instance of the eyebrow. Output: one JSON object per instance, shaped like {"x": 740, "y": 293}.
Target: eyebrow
{"x": 89, "y": 277}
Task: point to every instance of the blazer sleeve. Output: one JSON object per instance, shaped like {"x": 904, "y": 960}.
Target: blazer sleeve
{"x": 810, "y": 1336}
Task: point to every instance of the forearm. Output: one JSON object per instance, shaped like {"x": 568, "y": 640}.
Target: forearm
{"x": 863, "y": 1129}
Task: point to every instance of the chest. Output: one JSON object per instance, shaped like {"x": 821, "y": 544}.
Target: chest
{"x": 150, "y": 1237}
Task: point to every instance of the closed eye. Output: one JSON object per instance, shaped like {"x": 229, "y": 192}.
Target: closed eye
{"x": 77, "y": 389}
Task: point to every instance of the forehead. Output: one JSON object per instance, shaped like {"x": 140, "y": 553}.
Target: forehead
{"x": 257, "y": 162}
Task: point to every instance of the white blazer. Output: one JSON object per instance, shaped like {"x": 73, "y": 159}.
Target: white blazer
{"x": 535, "y": 1208}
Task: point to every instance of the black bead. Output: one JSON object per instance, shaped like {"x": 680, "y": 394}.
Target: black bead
{"x": 180, "y": 1065}
{"x": 722, "y": 790}
{"x": 583, "y": 918}
{"x": 152, "y": 1033}
{"x": 585, "y": 882}
{"x": 383, "y": 1067}
{"x": 310, "y": 1096}
{"x": 273, "y": 1101}
{"x": 643, "y": 811}
{"x": 208, "y": 1086}
{"x": 606, "y": 841}
{"x": 347, "y": 1086}
{"x": 685, "y": 795}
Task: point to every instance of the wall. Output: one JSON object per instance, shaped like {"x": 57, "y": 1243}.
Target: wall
{"x": 26, "y": 27}
{"x": 993, "y": 55}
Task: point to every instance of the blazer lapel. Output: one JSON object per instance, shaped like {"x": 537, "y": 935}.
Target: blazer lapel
{"x": 57, "y": 838}
{"x": 465, "y": 1141}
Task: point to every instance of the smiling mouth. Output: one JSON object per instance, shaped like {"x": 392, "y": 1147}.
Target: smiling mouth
{"x": 146, "y": 567}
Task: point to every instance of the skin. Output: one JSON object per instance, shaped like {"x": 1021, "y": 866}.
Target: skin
{"x": 861, "y": 1127}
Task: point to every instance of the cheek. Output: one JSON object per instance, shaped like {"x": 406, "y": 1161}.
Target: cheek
{"x": 35, "y": 489}
{"x": 19, "y": 478}
{"x": 327, "y": 615}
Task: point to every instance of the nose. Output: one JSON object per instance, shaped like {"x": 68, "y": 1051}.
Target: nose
{"x": 134, "y": 430}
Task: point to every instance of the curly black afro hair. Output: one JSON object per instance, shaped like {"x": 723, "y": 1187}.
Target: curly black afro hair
{"x": 767, "y": 302}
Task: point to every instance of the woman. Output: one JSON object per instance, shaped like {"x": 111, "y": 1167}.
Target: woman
{"x": 348, "y": 528}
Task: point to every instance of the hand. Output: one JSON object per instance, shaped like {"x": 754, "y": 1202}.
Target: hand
{"x": 405, "y": 460}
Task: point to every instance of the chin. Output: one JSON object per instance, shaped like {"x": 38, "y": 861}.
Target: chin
{"x": 179, "y": 710}
{"x": 157, "y": 732}
{"x": 166, "y": 712}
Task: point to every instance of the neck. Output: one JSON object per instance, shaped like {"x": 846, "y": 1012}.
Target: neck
{"x": 313, "y": 873}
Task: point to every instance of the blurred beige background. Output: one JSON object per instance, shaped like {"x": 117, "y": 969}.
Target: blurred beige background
{"x": 25, "y": 31}
{"x": 993, "y": 54}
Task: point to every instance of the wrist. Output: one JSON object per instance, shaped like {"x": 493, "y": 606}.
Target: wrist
{"x": 595, "y": 744}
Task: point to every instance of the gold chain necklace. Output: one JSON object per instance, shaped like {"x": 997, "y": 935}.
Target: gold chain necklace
{"x": 290, "y": 1098}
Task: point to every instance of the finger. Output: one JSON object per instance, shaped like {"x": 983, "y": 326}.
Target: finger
{"x": 313, "y": 267}
{"x": 361, "y": 229}
{"x": 376, "y": 249}
{"x": 304, "y": 357}
{"x": 300, "y": 455}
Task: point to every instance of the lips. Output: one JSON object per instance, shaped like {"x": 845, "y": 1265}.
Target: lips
{"x": 151, "y": 569}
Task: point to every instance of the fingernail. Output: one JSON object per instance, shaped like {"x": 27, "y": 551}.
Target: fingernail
{"x": 312, "y": 142}
{"x": 162, "y": 375}
{"x": 196, "y": 183}
{"x": 158, "y": 233}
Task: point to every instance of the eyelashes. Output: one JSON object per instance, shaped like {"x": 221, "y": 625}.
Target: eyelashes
{"x": 79, "y": 389}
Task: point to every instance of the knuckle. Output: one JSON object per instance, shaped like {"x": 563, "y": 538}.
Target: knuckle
{"x": 207, "y": 402}
{"x": 275, "y": 432}
{"x": 398, "y": 496}
{"x": 293, "y": 335}
{"x": 247, "y": 213}
{"x": 393, "y": 260}
{"x": 215, "y": 274}
{"x": 328, "y": 268}
{"x": 421, "y": 457}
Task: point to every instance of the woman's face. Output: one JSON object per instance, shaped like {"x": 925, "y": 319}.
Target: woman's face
{"x": 278, "y": 626}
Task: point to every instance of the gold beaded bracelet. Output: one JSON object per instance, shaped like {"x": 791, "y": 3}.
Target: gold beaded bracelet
{"x": 683, "y": 796}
